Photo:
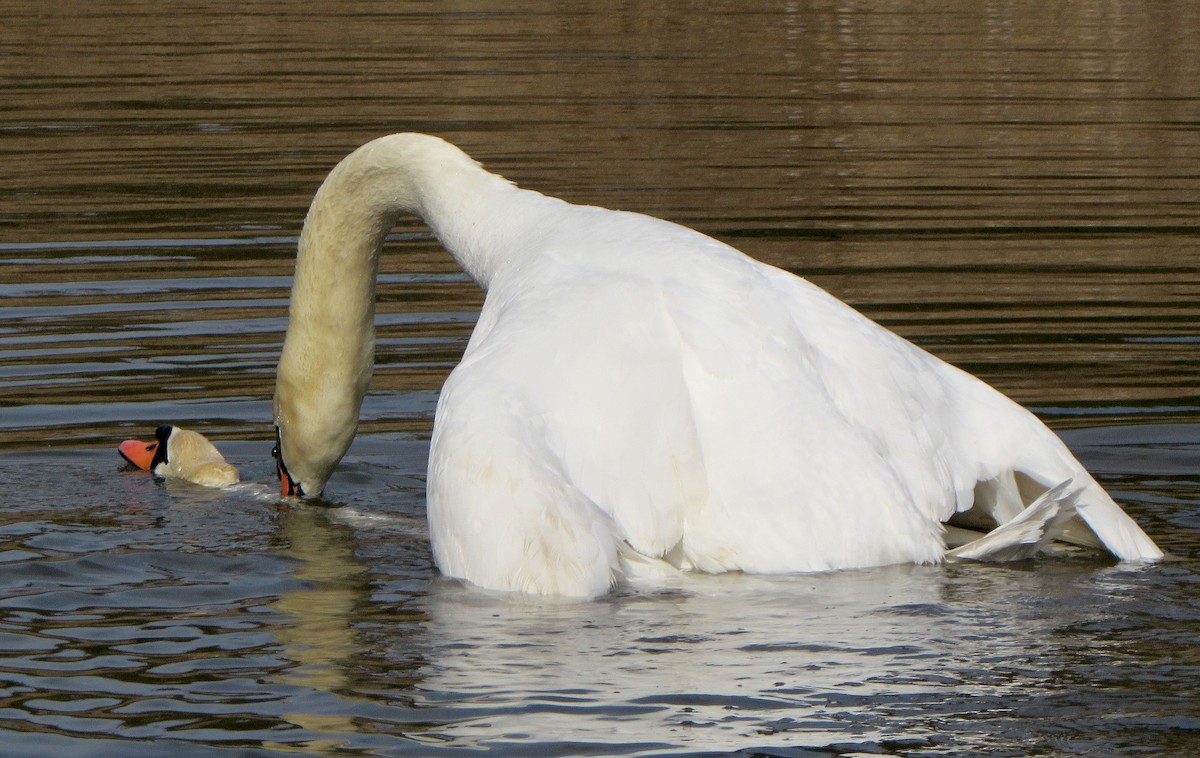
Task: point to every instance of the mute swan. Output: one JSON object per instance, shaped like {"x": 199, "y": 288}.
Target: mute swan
{"x": 181, "y": 454}
{"x": 635, "y": 392}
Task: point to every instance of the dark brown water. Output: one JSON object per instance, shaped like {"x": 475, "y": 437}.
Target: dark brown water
{"x": 1012, "y": 185}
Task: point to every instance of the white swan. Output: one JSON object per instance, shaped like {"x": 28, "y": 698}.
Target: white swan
{"x": 636, "y": 392}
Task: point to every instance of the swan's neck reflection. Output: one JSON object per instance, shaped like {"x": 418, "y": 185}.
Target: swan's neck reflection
{"x": 320, "y": 638}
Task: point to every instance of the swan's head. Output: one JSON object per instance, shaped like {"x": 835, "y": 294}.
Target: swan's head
{"x": 300, "y": 475}
{"x": 314, "y": 426}
{"x": 292, "y": 485}
{"x": 178, "y": 453}
{"x": 149, "y": 456}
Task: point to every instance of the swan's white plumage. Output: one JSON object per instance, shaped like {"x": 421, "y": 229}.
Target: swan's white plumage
{"x": 635, "y": 389}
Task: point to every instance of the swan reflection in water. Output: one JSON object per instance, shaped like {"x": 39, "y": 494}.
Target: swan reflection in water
{"x": 320, "y": 635}
{"x": 715, "y": 662}
{"x": 727, "y": 662}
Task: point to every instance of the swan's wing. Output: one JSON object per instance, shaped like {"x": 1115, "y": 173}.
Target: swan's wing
{"x": 684, "y": 411}
{"x": 795, "y": 483}
{"x": 570, "y": 394}
{"x": 501, "y": 514}
{"x": 963, "y": 447}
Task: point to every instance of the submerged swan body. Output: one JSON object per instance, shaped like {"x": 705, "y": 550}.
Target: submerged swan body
{"x": 636, "y": 393}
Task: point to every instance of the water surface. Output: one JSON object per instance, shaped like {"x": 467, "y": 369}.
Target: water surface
{"x": 1011, "y": 185}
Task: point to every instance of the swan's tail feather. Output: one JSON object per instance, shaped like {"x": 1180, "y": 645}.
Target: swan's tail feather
{"x": 1029, "y": 532}
{"x": 1101, "y": 523}
{"x": 1119, "y": 533}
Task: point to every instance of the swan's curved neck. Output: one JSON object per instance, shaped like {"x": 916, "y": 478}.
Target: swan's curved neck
{"x": 328, "y": 352}
{"x": 469, "y": 209}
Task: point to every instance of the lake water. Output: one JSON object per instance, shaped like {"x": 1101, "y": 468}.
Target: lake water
{"x": 1013, "y": 185}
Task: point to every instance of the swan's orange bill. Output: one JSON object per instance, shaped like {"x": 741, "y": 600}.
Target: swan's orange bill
{"x": 138, "y": 453}
{"x": 288, "y": 487}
